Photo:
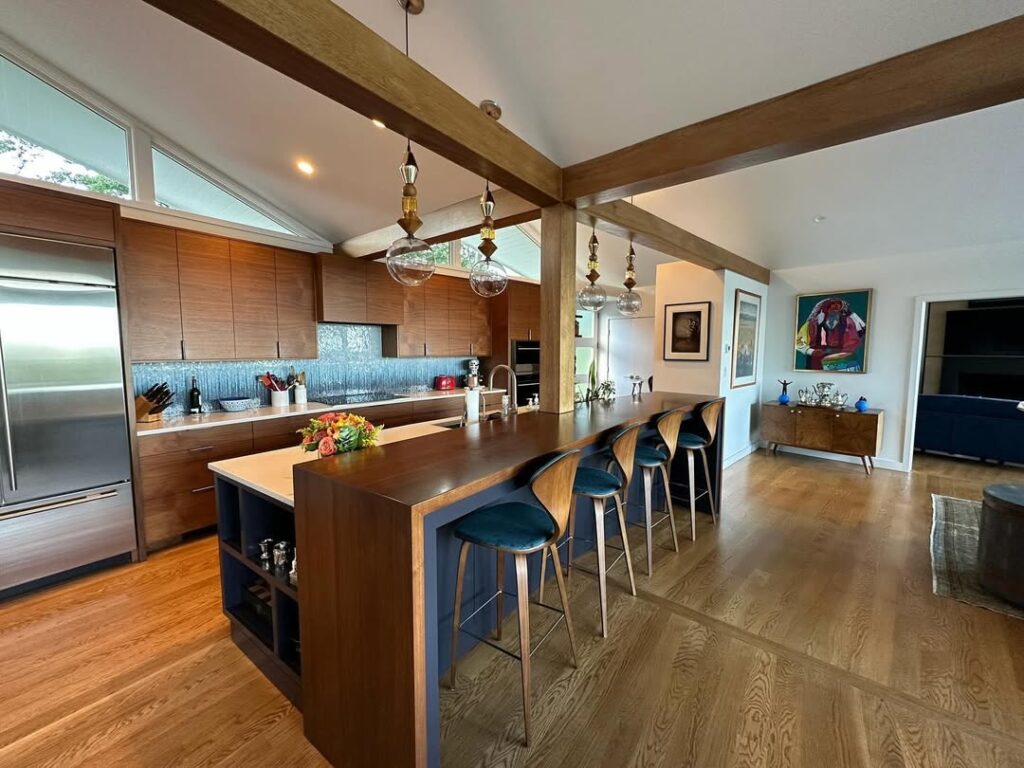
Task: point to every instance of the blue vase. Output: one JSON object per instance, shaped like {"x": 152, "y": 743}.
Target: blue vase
{"x": 861, "y": 405}
{"x": 784, "y": 399}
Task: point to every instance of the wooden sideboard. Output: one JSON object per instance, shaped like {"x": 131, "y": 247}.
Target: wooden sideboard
{"x": 823, "y": 429}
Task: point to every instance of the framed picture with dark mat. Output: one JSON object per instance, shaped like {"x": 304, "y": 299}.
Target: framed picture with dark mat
{"x": 687, "y": 330}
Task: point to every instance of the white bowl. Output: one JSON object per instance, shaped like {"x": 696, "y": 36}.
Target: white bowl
{"x": 239, "y": 404}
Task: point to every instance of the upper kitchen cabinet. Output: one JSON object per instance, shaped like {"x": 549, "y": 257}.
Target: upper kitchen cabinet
{"x": 149, "y": 273}
{"x": 254, "y": 300}
{"x": 355, "y": 291}
{"x": 469, "y": 320}
{"x": 296, "y": 304}
{"x": 523, "y": 302}
{"x": 207, "y": 313}
{"x": 341, "y": 289}
{"x": 385, "y": 301}
{"x": 443, "y": 318}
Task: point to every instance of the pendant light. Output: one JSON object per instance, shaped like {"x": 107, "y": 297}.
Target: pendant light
{"x": 487, "y": 278}
{"x": 592, "y": 297}
{"x": 629, "y": 302}
{"x": 409, "y": 260}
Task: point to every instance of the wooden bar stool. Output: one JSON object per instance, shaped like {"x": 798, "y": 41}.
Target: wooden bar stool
{"x": 691, "y": 442}
{"x": 599, "y": 485}
{"x": 519, "y": 529}
{"x": 655, "y": 454}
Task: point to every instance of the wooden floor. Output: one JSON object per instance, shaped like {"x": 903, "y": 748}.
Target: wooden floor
{"x": 801, "y": 632}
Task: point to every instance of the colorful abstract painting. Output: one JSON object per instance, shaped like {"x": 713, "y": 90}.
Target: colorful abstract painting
{"x": 832, "y": 331}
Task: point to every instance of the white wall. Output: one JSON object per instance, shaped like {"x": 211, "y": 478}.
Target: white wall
{"x": 679, "y": 283}
{"x": 742, "y": 405}
{"x": 899, "y": 282}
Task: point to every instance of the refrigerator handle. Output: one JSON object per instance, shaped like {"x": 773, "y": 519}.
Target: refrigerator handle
{"x": 5, "y": 412}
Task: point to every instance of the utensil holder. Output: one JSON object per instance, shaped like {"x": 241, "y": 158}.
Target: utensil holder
{"x": 278, "y": 398}
{"x": 300, "y": 394}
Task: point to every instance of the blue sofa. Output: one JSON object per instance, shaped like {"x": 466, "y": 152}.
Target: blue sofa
{"x": 981, "y": 427}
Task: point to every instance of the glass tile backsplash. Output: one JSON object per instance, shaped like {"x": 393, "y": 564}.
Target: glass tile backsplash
{"x": 350, "y": 361}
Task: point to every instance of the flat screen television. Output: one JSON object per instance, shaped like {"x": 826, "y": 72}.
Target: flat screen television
{"x": 985, "y": 331}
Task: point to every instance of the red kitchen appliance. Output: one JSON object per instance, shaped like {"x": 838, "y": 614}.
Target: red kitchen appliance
{"x": 444, "y": 382}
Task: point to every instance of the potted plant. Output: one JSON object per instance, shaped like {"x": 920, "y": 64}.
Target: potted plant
{"x": 331, "y": 433}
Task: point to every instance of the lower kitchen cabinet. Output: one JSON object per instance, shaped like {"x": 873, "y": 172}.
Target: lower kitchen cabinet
{"x": 177, "y": 487}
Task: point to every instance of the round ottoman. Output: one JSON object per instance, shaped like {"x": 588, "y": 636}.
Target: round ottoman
{"x": 1001, "y": 543}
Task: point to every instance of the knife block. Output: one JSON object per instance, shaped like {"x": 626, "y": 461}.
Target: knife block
{"x": 142, "y": 414}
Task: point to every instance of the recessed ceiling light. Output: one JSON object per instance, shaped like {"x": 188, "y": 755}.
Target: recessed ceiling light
{"x": 378, "y": 123}
{"x": 818, "y": 219}
{"x": 306, "y": 167}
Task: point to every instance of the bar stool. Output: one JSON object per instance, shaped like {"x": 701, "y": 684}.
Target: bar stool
{"x": 519, "y": 528}
{"x": 653, "y": 455}
{"x": 599, "y": 485}
{"x": 691, "y": 442}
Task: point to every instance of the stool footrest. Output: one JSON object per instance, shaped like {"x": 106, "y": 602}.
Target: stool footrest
{"x": 506, "y": 651}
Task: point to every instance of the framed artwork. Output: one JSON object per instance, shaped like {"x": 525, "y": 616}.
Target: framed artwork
{"x": 745, "y": 326}
{"x": 832, "y": 331}
{"x": 687, "y": 329}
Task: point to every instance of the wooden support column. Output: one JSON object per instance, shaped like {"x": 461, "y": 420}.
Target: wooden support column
{"x": 557, "y": 307}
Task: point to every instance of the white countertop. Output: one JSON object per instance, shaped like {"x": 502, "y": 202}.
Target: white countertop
{"x": 270, "y": 473}
{"x": 221, "y": 418}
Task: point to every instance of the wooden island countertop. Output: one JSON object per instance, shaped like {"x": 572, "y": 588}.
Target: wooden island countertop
{"x": 373, "y": 531}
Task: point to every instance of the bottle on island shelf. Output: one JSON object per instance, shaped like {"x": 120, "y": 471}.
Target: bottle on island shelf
{"x": 195, "y": 398}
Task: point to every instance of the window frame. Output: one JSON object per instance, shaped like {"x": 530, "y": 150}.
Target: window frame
{"x": 141, "y": 140}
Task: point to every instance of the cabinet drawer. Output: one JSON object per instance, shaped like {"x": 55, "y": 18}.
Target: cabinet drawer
{"x": 391, "y": 415}
{"x": 171, "y": 473}
{"x": 196, "y": 441}
{"x": 427, "y": 410}
{"x": 169, "y": 517}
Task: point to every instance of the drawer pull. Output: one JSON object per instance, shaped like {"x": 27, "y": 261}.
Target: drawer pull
{"x": 204, "y": 489}
{"x": 200, "y": 449}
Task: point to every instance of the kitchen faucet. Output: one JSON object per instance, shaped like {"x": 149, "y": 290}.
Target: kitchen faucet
{"x": 511, "y": 383}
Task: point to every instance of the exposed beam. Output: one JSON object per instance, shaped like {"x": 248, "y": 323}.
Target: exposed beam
{"x": 460, "y": 219}
{"x": 625, "y": 220}
{"x": 962, "y": 74}
{"x": 321, "y": 46}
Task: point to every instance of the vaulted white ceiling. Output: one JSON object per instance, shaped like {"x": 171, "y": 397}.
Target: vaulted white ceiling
{"x": 575, "y": 79}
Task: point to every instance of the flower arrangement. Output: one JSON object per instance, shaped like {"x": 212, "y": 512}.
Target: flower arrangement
{"x": 331, "y": 433}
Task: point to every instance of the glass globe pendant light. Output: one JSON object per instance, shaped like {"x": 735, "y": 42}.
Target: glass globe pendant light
{"x": 487, "y": 278}
{"x": 629, "y": 301}
{"x": 409, "y": 259}
{"x": 591, "y": 297}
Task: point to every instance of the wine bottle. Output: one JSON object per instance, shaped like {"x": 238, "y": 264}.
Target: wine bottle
{"x": 195, "y": 398}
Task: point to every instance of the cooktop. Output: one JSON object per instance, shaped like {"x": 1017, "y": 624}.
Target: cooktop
{"x": 353, "y": 398}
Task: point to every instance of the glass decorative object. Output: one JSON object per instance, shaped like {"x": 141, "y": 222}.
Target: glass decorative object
{"x": 409, "y": 259}
{"x": 592, "y": 297}
{"x": 629, "y": 302}
{"x": 487, "y": 278}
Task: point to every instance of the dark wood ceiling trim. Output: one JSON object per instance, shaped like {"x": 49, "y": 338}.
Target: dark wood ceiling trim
{"x": 973, "y": 71}
{"x": 321, "y": 46}
{"x": 627, "y": 221}
{"x": 461, "y": 219}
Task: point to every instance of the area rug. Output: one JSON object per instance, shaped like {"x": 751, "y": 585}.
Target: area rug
{"x": 955, "y": 554}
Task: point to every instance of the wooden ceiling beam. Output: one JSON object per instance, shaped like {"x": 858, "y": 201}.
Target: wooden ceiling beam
{"x": 460, "y": 219}
{"x": 973, "y": 71}
{"x": 318, "y": 44}
{"x": 627, "y": 221}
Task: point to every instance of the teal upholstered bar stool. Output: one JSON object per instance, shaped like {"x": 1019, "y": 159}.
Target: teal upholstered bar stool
{"x": 654, "y": 455}
{"x": 519, "y": 528}
{"x": 693, "y": 443}
{"x": 600, "y": 486}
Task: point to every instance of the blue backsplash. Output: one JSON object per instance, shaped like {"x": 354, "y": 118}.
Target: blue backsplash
{"x": 350, "y": 361}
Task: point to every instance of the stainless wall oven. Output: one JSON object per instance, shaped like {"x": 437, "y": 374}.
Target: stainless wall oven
{"x": 526, "y": 364}
{"x": 65, "y": 466}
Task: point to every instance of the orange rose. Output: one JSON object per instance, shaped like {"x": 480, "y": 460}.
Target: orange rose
{"x": 327, "y": 447}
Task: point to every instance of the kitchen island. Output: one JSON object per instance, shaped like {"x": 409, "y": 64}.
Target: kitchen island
{"x": 377, "y": 568}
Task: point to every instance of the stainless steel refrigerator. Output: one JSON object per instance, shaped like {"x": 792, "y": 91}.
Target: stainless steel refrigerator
{"x": 65, "y": 466}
